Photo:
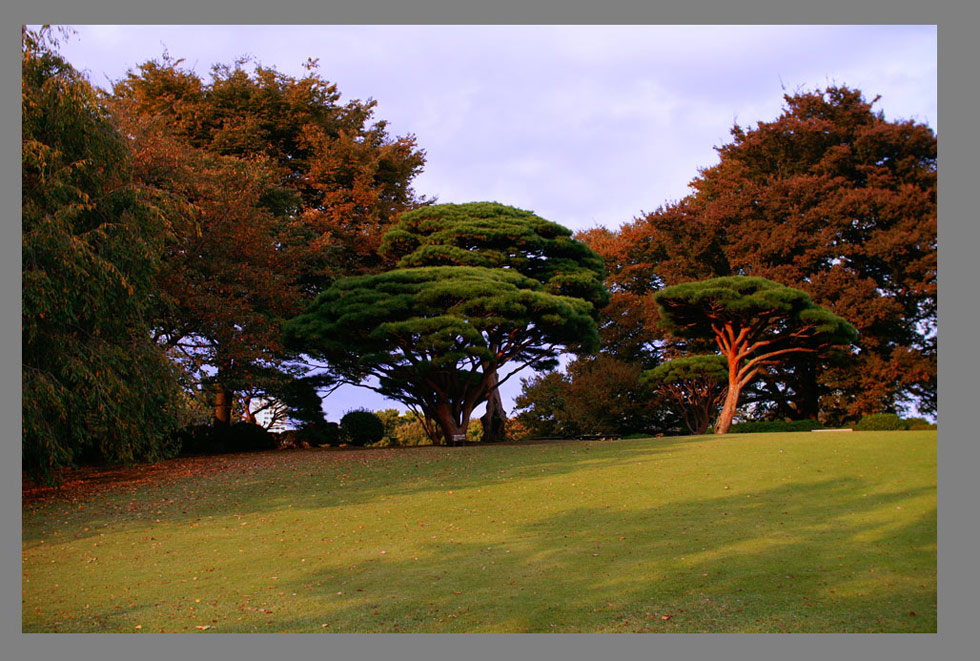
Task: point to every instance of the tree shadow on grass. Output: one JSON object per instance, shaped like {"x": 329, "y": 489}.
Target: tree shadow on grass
{"x": 263, "y": 483}
{"x": 810, "y": 556}
{"x": 819, "y": 557}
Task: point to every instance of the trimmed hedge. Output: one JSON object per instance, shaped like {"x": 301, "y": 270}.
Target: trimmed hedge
{"x": 881, "y": 422}
{"x": 765, "y": 426}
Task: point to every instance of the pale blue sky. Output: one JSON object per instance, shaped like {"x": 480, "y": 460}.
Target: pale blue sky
{"x": 584, "y": 125}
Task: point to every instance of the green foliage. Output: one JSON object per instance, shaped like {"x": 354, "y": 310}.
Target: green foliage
{"x": 756, "y": 323}
{"x": 688, "y": 309}
{"x": 361, "y": 428}
{"x": 312, "y": 435}
{"x": 597, "y": 395}
{"x": 327, "y": 433}
{"x": 303, "y": 401}
{"x": 474, "y": 432}
{"x": 918, "y": 424}
{"x": 94, "y": 385}
{"x": 693, "y": 385}
{"x": 712, "y": 368}
{"x": 766, "y": 426}
{"x": 493, "y": 235}
{"x": 433, "y": 335}
{"x": 881, "y": 422}
{"x": 540, "y": 406}
{"x": 411, "y": 432}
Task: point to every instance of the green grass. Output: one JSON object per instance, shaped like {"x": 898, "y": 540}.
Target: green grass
{"x": 799, "y": 532}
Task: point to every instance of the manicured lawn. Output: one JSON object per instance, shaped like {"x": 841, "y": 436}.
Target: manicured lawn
{"x": 804, "y": 532}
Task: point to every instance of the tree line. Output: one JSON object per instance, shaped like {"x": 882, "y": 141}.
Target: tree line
{"x": 200, "y": 250}
{"x": 831, "y": 199}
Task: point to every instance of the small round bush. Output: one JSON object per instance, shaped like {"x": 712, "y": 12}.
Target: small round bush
{"x": 881, "y": 422}
{"x": 361, "y": 428}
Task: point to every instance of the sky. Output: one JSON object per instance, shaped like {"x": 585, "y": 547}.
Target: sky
{"x": 584, "y": 125}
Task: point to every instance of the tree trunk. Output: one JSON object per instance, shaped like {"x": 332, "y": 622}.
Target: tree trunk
{"x": 450, "y": 428}
{"x": 731, "y": 400}
{"x": 703, "y": 419}
{"x": 222, "y": 406}
{"x": 494, "y": 421}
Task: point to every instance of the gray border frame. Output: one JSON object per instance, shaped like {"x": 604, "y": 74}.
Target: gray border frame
{"x": 956, "y": 20}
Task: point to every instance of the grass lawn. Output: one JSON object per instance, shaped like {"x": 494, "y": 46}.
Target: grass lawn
{"x": 803, "y": 532}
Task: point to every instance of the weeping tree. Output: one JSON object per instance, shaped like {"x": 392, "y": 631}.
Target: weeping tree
{"x": 755, "y": 322}
{"x": 94, "y": 385}
{"x": 440, "y": 339}
{"x": 695, "y": 385}
{"x": 496, "y": 236}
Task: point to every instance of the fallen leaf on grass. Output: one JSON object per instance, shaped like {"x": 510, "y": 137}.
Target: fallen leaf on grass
{"x": 203, "y": 627}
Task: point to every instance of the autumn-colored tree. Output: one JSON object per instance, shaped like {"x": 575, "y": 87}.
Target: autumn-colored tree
{"x": 343, "y": 180}
{"x": 286, "y": 188}
{"x": 434, "y": 336}
{"x": 756, "y": 323}
{"x": 829, "y": 198}
{"x": 492, "y": 235}
{"x": 94, "y": 384}
{"x": 695, "y": 385}
{"x": 604, "y": 395}
{"x": 226, "y": 281}
{"x": 540, "y": 407}
{"x": 597, "y": 394}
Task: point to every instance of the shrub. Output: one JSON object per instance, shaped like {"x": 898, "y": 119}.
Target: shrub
{"x": 321, "y": 433}
{"x": 766, "y": 426}
{"x": 517, "y": 430}
{"x": 290, "y": 438}
{"x": 474, "y": 431}
{"x": 881, "y": 422}
{"x": 245, "y": 436}
{"x": 200, "y": 439}
{"x": 214, "y": 439}
{"x": 919, "y": 423}
{"x": 411, "y": 432}
{"x": 361, "y": 428}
